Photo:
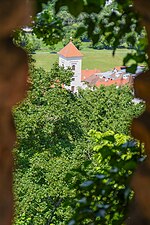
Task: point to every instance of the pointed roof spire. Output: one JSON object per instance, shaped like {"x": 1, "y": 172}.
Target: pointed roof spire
{"x": 70, "y": 50}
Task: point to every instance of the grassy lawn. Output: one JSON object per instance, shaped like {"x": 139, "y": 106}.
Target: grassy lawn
{"x": 102, "y": 59}
{"x": 93, "y": 59}
{"x": 45, "y": 59}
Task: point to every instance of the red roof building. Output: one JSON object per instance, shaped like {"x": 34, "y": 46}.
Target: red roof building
{"x": 95, "y": 78}
{"x": 71, "y": 57}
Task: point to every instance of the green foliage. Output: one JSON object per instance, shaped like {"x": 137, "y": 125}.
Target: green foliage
{"x": 52, "y": 129}
{"x": 56, "y": 28}
{"x": 48, "y": 26}
{"x": 104, "y": 195}
{"x": 107, "y": 108}
{"x": 41, "y": 4}
{"x": 47, "y": 131}
{"x": 60, "y": 76}
{"x": 42, "y": 190}
{"x": 28, "y": 41}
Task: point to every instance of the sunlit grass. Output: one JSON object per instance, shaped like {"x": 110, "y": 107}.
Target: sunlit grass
{"x": 93, "y": 59}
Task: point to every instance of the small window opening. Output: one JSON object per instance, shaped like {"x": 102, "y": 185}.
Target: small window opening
{"x": 72, "y": 88}
{"x": 73, "y": 67}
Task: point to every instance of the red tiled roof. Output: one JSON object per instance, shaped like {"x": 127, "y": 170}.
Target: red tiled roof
{"x": 92, "y": 79}
{"x": 87, "y": 73}
{"x": 118, "y": 82}
{"x": 70, "y": 50}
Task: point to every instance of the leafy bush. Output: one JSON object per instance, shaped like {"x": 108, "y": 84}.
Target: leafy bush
{"x": 28, "y": 41}
{"x": 104, "y": 195}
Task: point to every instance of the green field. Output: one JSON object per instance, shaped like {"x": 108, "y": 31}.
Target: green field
{"x": 93, "y": 59}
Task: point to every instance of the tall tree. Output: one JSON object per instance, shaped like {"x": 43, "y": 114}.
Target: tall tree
{"x": 52, "y": 127}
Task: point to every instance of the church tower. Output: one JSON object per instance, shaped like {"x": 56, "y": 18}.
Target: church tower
{"x": 70, "y": 56}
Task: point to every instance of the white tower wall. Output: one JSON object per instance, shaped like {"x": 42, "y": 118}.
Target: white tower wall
{"x": 76, "y": 64}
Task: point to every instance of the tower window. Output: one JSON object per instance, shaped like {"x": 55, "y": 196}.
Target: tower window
{"x": 73, "y": 67}
{"x": 72, "y": 88}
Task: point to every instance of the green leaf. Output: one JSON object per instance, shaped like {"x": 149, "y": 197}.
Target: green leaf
{"x": 75, "y": 6}
{"x": 130, "y": 165}
{"x": 80, "y": 31}
{"x": 132, "y": 68}
{"x": 95, "y": 38}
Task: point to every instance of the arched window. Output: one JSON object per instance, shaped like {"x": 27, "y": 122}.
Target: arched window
{"x": 73, "y": 67}
{"x": 72, "y": 88}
